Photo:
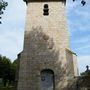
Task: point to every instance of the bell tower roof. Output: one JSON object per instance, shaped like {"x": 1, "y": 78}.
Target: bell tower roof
{"x": 43, "y": 1}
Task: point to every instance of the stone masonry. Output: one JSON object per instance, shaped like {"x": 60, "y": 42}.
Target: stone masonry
{"x": 46, "y": 47}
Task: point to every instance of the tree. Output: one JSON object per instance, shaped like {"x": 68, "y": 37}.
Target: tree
{"x": 85, "y": 78}
{"x": 87, "y": 72}
{"x": 3, "y": 5}
{"x": 5, "y": 69}
{"x": 13, "y": 72}
{"x": 1, "y": 67}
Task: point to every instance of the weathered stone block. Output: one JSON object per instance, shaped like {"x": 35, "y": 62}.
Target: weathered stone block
{"x": 46, "y": 50}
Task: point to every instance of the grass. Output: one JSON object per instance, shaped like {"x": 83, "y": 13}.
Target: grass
{"x": 7, "y": 88}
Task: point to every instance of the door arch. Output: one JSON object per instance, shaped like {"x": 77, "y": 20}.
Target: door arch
{"x": 47, "y": 80}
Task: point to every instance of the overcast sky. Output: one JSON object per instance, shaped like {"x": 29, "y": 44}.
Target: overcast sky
{"x": 78, "y": 19}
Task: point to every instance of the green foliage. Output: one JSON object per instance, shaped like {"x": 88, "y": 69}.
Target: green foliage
{"x": 7, "y": 70}
{"x": 13, "y": 71}
{"x": 3, "y": 6}
{"x": 85, "y": 78}
{"x": 7, "y": 88}
{"x": 86, "y": 73}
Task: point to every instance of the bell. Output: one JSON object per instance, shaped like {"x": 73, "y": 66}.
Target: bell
{"x": 83, "y": 2}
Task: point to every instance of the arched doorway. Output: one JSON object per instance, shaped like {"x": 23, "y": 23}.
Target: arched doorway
{"x": 47, "y": 80}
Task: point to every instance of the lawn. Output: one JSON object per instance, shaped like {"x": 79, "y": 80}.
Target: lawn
{"x": 7, "y": 88}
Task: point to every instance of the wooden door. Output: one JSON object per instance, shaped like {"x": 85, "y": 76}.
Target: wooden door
{"x": 47, "y": 80}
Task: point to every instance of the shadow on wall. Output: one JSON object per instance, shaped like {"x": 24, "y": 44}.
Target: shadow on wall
{"x": 41, "y": 51}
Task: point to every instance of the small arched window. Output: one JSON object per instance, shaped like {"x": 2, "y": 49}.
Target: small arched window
{"x": 45, "y": 5}
{"x": 46, "y": 10}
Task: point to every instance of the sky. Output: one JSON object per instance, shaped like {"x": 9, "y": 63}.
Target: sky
{"x": 13, "y": 26}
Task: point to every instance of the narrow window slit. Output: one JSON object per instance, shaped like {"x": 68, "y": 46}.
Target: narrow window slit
{"x": 46, "y": 10}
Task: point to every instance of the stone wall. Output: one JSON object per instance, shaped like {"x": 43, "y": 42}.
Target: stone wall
{"x": 45, "y": 43}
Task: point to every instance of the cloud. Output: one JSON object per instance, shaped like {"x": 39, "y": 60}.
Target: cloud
{"x": 11, "y": 43}
{"x": 13, "y": 22}
{"x": 14, "y": 13}
{"x": 78, "y": 16}
{"x": 70, "y": 5}
{"x": 82, "y": 40}
{"x": 81, "y": 45}
{"x": 12, "y": 29}
{"x": 82, "y": 48}
{"x": 79, "y": 27}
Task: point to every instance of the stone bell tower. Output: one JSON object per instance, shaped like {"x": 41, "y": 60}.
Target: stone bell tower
{"x": 46, "y": 62}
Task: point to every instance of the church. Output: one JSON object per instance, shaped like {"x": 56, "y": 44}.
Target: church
{"x": 46, "y": 62}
